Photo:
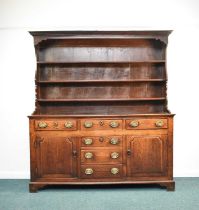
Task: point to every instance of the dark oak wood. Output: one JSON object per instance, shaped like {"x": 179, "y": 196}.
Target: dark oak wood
{"x": 56, "y": 156}
{"x": 146, "y": 155}
{"x": 101, "y": 113}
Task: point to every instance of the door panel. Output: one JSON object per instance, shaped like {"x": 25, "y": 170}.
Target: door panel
{"x": 56, "y": 156}
{"x": 147, "y": 155}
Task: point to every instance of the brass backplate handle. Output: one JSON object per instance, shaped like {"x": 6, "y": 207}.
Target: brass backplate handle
{"x": 134, "y": 123}
{"x": 68, "y": 124}
{"x": 114, "y": 141}
{"x": 114, "y": 170}
{"x": 114, "y": 155}
{"x": 88, "y": 155}
{"x": 42, "y": 125}
{"x": 114, "y": 124}
{"x": 88, "y": 124}
{"x": 89, "y": 171}
{"x": 159, "y": 123}
{"x": 88, "y": 141}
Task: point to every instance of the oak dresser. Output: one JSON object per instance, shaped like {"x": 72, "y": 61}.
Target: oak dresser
{"x": 101, "y": 113}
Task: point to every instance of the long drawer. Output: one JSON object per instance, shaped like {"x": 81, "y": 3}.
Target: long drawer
{"x": 56, "y": 124}
{"x": 101, "y": 141}
{"x": 101, "y": 156}
{"x": 101, "y": 124}
{"x": 101, "y": 171}
{"x": 139, "y": 123}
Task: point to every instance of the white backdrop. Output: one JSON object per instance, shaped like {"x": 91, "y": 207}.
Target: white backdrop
{"x": 17, "y": 65}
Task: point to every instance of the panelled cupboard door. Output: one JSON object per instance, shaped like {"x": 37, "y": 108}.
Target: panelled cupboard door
{"x": 56, "y": 157}
{"x": 147, "y": 156}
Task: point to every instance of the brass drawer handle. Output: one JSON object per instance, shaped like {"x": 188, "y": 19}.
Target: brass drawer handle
{"x": 114, "y": 170}
{"x": 88, "y": 141}
{"x": 88, "y": 124}
{"x": 114, "y": 124}
{"x": 114, "y": 141}
{"x": 89, "y": 171}
{"x": 42, "y": 125}
{"x": 68, "y": 124}
{"x": 159, "y": 123}
{"x": 134, "y": 123}
{"x": 88, "y": 155}
{"x": 114, "y": 155}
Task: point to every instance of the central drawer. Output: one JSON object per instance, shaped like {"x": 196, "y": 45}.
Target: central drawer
{"x": 100, "y": 124}
{"x": 101, "y": 156}
{"x": 101, "y": 141}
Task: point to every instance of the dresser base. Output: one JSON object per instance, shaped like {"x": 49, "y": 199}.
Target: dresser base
{"x": 35, "y": 186}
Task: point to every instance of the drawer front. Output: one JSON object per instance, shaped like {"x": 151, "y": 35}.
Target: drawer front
{"x": 101, "y": 156}
{"x": 68, "y": 124}
{"x": 101, "y": 171}
{"x": 100, "y": 124}
{"x": 136, "y": 123}
{"x": 101, "y": 141}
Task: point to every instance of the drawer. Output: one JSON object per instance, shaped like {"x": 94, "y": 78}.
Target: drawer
{"x": 101, "y": 141}
{"x": 100, "y": 124}
{"x": 68, "y": 124}
{"x": 101, "y": 171}
{"x": 100, "y": 156}
{"x": 136, "y": 123}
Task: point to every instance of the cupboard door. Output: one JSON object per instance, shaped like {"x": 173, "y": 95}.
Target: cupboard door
{"x": 56, "y": 157}
{"x": 147, "y": 155}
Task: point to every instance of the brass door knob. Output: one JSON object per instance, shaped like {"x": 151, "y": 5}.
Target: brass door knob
{"x": 42, "y": 125}
{"x": 88, "y": 141}
{"x": 88, "y": 155}
{"x": 114, "y": 155}
{"x": 128, "y": 152}
{"x": 74, "y": 153}
{"x": 134, "y": 123}
{"x": 114, "y": 141}
{"x": 101, "y": 139}
{"x": 101, "y": 122}
{"x": 88, "y": 124}
{"x": 55, "y": 124}
{"x": 159, "y": 123}
{"x": 88, "y": 171}
{"x": 114, "y": 124}
{"x": 68, "y": 124}
{"x": 114, "y": 170}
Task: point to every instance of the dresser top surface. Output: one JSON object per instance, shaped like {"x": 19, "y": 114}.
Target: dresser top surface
{"x": 102, "y": 33}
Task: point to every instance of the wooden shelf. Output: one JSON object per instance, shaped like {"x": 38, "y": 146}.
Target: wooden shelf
{"x": 99, "y": 62}
{"x": 100, "y": 81}
{"x": 99, "y": 99}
